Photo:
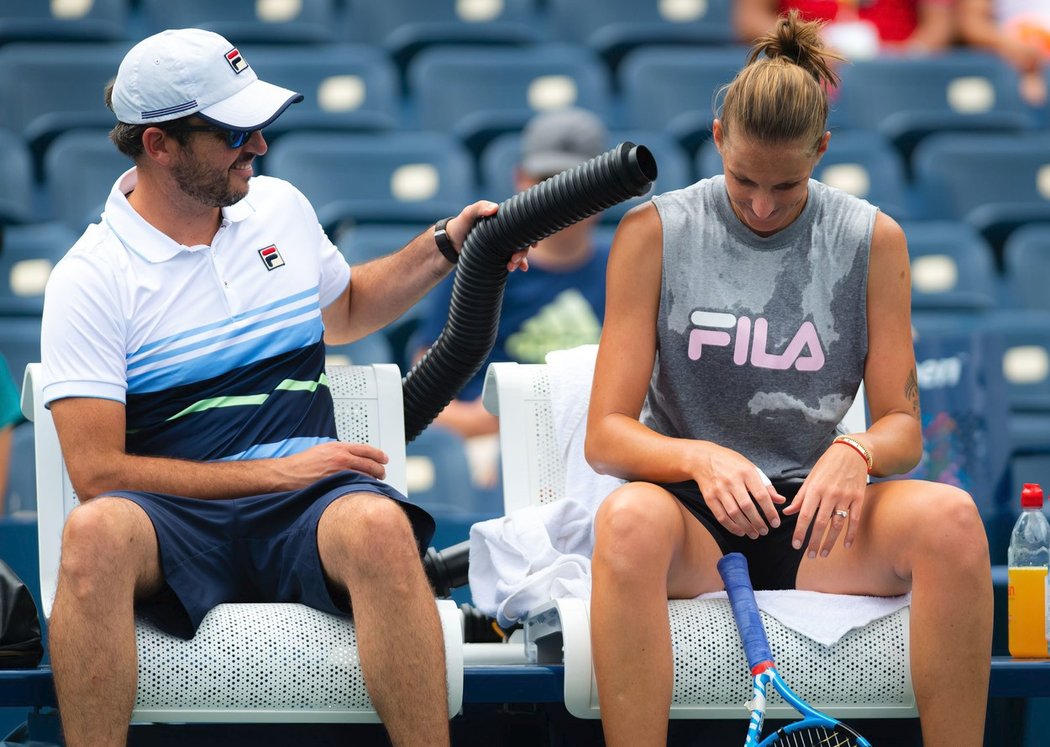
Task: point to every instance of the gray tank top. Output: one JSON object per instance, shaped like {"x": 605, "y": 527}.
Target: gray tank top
{"x": 761, "y": 341}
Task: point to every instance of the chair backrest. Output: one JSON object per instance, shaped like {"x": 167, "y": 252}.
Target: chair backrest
{"x": 404, "y": 27}
{"x": 368, "y": 409}
{"x": 33, "y": 20}
{"x": 16, "y": 179}
{"x": 909, "y": 97}
{"x": 394, "y": 177}
{"x": 48, "y": 88}
{"x": 303, "y": 21}
{"x": 21, "y": 481}
{"x": 449, "y": 95}
{"x": 1026, "y": 267}
{"x": 612, "y": 27}
{"x": 952, "y": 267}
{"x": 345, "y": 87}
{"x": 80, "y": 167}
{"x": 30, "y": 253}
{"x": 1025, "y": 337}
{"x": 675, "y": 88}
{"x": 520, "y": 394}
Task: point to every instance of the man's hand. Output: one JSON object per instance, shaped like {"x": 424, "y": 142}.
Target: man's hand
{"x": 307, "y": 467}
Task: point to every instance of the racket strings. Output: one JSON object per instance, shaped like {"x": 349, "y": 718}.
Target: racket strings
{"x": 818, "y": 736}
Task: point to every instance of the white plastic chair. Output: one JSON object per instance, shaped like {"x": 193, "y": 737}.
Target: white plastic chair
{"x": 292, "y": 663}
{"x": 866, "y": 674}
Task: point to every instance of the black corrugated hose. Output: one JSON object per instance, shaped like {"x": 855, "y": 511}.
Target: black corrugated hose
{"x": 626, "y": 171}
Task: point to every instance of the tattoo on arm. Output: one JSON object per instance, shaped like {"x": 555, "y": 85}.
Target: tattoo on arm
{"x": 911, "y": 391}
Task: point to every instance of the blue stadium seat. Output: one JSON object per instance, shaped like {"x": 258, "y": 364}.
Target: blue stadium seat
{"x": 1026, "y": 267}
{"x": 17, "y": 183}
{"x": 675, "y": 89}
{"x": 996, "y": 182}
{"x": 345, "y": 87}
{"x": 246, "y": 21}
{"x": 477, "y": 93}
{"x": 37, "y": 20}
{"x": 80, "y": 168}
{"x": 861, "y": 162}
{"x": 1026, "y": 368}
{"x": 369, "y": 241}
{"x": 20, "y": 497}
{"x": 500, "y": 158}
{"x": 402, "y": 28}
{"x": 396, "y": 177}
{"x": 952, "y": 268}
{"x": 20, "y": 344}
{"x": 612, "y": 27}
{"x": 29, "y": 254}
{"x": 907, "y": 98}
{"x": 49, "y": 88}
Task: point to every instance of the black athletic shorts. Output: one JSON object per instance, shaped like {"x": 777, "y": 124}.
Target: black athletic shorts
{"x": 771, "y": 558}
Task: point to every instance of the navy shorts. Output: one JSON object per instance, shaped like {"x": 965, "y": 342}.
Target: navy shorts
{"x": 256, "y": 549}
{"x": 772, "y": 560}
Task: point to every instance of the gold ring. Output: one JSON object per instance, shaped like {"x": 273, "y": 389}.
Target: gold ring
{"x": 841, "y": 512}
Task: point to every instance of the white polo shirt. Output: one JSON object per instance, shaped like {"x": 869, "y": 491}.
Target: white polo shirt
{"x": 216, "y": 350}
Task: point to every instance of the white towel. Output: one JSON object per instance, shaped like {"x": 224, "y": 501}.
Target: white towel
{"x": 540, "y": 553}
{"x": 570, "y": 373}
{"x": 825, "y": 618}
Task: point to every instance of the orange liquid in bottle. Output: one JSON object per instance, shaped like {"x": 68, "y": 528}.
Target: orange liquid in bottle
{"x": 1027, "y": 613}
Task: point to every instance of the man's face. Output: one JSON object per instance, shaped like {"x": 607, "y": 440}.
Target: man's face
{"x": 211, "y": 172}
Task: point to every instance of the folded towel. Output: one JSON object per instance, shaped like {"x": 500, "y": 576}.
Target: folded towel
{"x": 824, "y": 618}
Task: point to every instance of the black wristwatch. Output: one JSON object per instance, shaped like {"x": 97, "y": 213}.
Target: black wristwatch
{"x": 444, "y": 243}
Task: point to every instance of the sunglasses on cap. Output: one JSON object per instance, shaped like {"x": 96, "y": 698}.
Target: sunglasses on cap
{"x": 234, "y": 138}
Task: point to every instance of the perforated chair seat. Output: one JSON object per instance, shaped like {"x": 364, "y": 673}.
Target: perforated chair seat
{"x": 252, "y": 662}
{"x": 871, "y": 665}
{"x": 872, "y": 676}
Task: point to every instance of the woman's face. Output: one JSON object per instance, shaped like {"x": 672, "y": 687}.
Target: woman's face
{"x": 767, "y": 183}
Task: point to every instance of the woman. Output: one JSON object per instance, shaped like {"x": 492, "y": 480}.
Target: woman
{"x": 732, "y": 354}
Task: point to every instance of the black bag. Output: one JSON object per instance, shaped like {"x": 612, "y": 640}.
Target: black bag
{"x": 20, "y": 644}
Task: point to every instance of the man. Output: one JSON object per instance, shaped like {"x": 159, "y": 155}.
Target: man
{"x": 183, "y": 364}
{"x": 560, "y": 303}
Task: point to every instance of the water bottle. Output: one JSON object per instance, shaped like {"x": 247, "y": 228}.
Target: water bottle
{"x": 1028, "y": 558}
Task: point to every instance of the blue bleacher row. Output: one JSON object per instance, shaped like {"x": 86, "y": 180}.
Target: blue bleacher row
{"x": 414, "y": 107}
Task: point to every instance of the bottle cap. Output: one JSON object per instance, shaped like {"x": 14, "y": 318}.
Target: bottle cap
{"x": 1031, "y": 495}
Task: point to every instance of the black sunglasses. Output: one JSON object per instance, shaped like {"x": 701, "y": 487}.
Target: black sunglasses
{"x": 234, "y": 138}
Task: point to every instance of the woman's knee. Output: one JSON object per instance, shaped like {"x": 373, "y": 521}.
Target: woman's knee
{"x": 635, "y": 526}
{"x": 952, "y": 526}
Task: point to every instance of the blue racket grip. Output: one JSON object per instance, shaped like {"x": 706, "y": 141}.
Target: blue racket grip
{"x": 733, "y": 568}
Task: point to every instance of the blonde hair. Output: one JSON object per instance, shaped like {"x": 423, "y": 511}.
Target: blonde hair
{"x": 781, "y": 94}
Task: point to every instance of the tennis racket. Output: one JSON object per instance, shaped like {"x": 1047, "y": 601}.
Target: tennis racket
{"x": 814, "y": 728}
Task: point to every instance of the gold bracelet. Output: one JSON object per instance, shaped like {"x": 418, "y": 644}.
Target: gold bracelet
{"x": 859, "y": 448}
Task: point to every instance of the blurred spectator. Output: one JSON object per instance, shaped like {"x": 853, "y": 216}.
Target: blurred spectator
{"x": 1016, "y": 30}
{"x": 560, "y": 302}
{"x": 10, "y": 416}
{"x": 858, "y": 29}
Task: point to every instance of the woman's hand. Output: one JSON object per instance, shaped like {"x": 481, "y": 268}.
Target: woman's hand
{"x": 831, "y": 499}
{"x": 737, "y": 492}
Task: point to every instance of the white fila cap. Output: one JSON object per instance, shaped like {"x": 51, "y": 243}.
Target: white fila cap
{"x": 179, "y": 72}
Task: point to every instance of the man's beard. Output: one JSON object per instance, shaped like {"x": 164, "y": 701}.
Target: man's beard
{"x": 208, "y": 186}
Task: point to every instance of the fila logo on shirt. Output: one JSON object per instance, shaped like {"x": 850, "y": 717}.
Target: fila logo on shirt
{"x": 271, "y": 257}
{"x": 236, "y": 61}
{"x": 750, "y": 344}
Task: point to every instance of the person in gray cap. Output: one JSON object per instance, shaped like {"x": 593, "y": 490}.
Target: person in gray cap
{"x": 560, "y": 302}
{"x": 183, "y": 361}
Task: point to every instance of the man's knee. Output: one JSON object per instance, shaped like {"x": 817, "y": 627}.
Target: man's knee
{"x": 106, "y": 541}
{"x": 369, "y": 532}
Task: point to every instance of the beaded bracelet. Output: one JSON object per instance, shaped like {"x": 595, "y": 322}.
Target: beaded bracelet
{"x": 859, "y": 448}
